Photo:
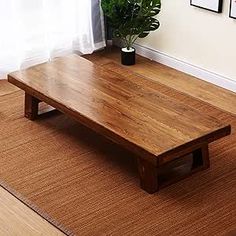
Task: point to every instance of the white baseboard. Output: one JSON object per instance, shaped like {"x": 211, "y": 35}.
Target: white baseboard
{"x": 188, "y": 68}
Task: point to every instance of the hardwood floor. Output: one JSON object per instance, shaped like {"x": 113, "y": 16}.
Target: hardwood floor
{"x": 18, "y": 219}
{"x": 6, "y": 88}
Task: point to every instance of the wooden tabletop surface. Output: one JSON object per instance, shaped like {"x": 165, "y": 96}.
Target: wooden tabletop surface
{"x": 121, "y": 105}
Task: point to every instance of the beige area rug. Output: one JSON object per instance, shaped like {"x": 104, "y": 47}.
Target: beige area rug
{"x": 86, "y": 185}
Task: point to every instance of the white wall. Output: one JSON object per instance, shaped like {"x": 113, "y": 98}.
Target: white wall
{"x": 199, "y": 37}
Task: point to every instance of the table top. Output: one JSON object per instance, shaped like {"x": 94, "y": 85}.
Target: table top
{"x": 120, "y": 105}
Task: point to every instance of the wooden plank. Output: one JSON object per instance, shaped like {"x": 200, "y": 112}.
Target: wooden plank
{"x": 125, "y": 108}
{"x": 172, "y": 78}
{"x": 127, "y": 87}
{"x": 87, "y": 122}
{"x": 6, "y": 88}
{"x": 17, "y": 219}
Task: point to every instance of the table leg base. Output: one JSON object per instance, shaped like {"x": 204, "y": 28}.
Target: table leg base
{"x": 31, "y": 107}
{"x": 148, "y": 176}
{"x": 150, "y": 180}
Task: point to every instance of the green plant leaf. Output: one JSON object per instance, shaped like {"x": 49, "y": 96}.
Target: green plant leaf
{"x": 143, "y": 35}
{"x": 132, "y": 19}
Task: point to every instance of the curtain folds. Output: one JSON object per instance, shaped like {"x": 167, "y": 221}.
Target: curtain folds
{"x": 35, "y": 31}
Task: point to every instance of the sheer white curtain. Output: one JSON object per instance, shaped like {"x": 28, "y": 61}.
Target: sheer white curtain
{"x": 33, "y": 31}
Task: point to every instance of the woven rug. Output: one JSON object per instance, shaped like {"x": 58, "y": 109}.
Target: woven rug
{"x": 85, "y": 185}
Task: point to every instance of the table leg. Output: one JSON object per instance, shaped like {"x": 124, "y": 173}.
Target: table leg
{"x": 31, "y": 107}
{"x": 148, "y": 176}
{"x": 201, "y": 159}
{"x": 150, "y": 180}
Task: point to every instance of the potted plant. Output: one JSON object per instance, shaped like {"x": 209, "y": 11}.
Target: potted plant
{"x": 130, "y": 20}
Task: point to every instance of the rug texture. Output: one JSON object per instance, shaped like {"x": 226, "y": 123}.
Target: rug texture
{"x": 86, "y": 185}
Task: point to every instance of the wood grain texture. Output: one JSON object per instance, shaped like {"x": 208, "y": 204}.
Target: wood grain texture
{"x": 121, "y": 106}
{"x": 6, "y": 88}
{"x": 17, "y": 219}
{"x": 90, "y": 185}
{"x": 187, "y": 84}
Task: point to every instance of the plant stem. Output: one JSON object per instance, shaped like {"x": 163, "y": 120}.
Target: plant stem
{"x": 126, "y": 42}
{"x": 134, "y": 39}
{"x": 130, "y": 41}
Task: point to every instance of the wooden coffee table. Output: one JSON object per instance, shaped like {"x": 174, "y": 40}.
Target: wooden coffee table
{"x": 126, "y": 109}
